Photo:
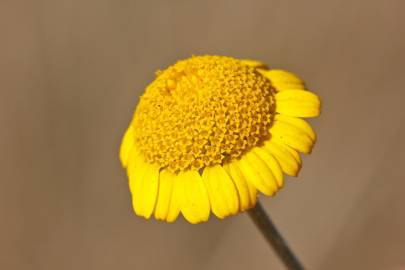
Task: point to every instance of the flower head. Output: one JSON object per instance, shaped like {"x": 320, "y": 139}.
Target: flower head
{"x": 212, "y": 131}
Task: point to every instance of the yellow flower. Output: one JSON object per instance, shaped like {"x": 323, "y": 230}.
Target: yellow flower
{"x": 210, "y": 133}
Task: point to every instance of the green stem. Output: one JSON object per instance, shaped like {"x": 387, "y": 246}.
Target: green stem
{"x": 273, "y": 237}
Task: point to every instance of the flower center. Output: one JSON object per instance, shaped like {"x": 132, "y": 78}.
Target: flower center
{"x": 203, "y": 111}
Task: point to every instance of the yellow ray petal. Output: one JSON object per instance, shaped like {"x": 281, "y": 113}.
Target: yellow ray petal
{"x": 287, "y": 148}
{"x": 279, "y": 75}
{"x": 285, "y": 158}
{"x": 221, "y": 191}
{"x": 166, "y": 184}
{"x": 150, "y": 189}
{"x": 285, "y": 86}
{"x": 145, "y": 189}
{"x": 265, "y": 184}
{"x": 126, "y": 146}
{"x": 298, "y": 103}
{"x": 292, "y": 136}
{"x": 175, "y": 201}
{"x": 263, "y": 168}
{"x": 135, "y": 170}
{"x": 298, "y": 123}
{"x": 283, "y": 80}
{"x": 195, "y": 205}
{"x": 247, "y": 192}
{"x": 272, "y": 163}
{"x": 254, "y": 63}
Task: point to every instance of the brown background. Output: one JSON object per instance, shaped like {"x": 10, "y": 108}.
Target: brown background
{"x": 72, "y": 71}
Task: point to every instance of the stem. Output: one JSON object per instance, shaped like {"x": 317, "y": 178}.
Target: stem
{"x": 273, "y": 237}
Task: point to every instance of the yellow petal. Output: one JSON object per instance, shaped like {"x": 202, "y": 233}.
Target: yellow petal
{"x": 292, "y": 136}
{"x": 254, "y": 63}
{"x": 247, "y": 192}
{"x": 126, "y": 146}
{"x": 221, "y": 191}
{"x": 298, "y": 123}
{"x": 285, "y": 86}
{"x": 272, "y": 163}
{"x": 175, "y": 201}
{"x": 298, "y": 103}
{"x": 287, "y": 148}
{"x": 195, "y": 205}
{"x": 265, "y": 184}
{"x": 279, "y": 75}
{"x": 263, "y": 168}
{"x": 285, "y": 158}
{"x": 283, "y": 80}
{"x": 166, "y": 184}
{"x": 145, "y": 189}
{"x": 135, "y": 170}
{"x": 150, "y": 189}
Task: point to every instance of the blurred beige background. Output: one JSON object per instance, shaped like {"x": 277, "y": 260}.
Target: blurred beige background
{"x": 71, "y": 73}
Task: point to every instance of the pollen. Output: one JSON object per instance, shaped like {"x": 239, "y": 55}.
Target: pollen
{"x": 203, "y": 111}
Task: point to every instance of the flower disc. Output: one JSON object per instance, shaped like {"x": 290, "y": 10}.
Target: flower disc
{"x": 203, "y": 111}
